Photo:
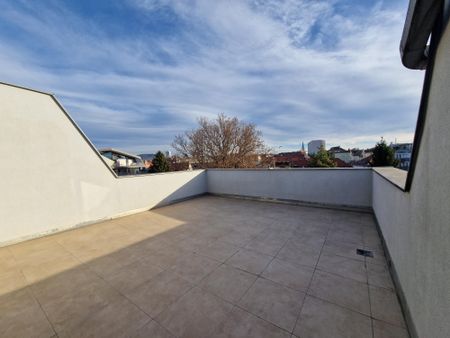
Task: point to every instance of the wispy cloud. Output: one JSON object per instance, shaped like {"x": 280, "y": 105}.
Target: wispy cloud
{"x": 135, "y": 74}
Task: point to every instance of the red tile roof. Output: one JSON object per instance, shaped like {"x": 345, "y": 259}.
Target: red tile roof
{"x": 341, "y": 164}
{"x": 292, "y": 159}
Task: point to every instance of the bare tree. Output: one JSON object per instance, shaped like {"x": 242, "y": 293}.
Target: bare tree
{"x": 222, "y": 143}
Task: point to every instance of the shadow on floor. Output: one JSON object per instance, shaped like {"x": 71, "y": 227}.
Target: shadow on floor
{"x": 201, "y": 268}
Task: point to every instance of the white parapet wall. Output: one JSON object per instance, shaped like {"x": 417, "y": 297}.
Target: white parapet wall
{"x": 52, "y": 178}
{"x": 416, "y": 224}
{"x": 341, "y": 187}
{"x": 416, "y": 229}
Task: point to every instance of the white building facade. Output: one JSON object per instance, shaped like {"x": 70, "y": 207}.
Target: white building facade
{"x": 314, "y": 146}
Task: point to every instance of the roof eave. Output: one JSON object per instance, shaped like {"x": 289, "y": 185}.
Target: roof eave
{"x": 419, "y": 23}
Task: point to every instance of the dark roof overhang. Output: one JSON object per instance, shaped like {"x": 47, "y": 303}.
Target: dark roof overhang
{"x": 420, "y": 21}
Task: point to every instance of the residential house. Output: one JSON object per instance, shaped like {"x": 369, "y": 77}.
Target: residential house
{"x": 294, "y": 159}
{"x": 123, "y": 163}
{"x": 349, "y": 156}
{"x": 345, "y": 156}
{"x": 341, "y": 164}
{"x": 402, "y": 154}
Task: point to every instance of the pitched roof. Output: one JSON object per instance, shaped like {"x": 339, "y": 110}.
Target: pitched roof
{"x": 117, "y": 151}
{"x": 340, "y": 163}
{"x": 294, "y": 159}
{"x": 337, "y": 149}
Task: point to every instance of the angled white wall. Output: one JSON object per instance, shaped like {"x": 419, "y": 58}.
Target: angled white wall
{"x": 52, "y": 178}
{"x": 416, "y": 225}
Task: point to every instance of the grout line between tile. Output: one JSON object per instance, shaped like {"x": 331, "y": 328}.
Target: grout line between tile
{"x": 30, "y": 289}
{"x": 265, "y": 320}
{"x": 310, "y": 281}
{"x": 260, "y": 274}
{"x": 368, "y": 295}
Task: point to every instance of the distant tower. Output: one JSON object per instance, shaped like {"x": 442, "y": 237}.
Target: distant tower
{"x": 314, "y": 146}
{"x": 303, "y": 147}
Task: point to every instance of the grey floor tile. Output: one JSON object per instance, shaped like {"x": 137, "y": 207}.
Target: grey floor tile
{"x": 197, "y": 314}
{"x": 219, "y": 250}
{"x": 133, "y": 275}
{"x": 274, "y": 303}
{"x": 11, "y": 281}
{"x": 343, "y": 266}
{"x": 372, "y": 240}
{"x": 152, "y": 330}
{"x": 385, "y": 306}
{"x": 21, "y": 316}
{"x": 268, "y": 245}
{"x": 342, "y": 249}
{"x": 250, "y": 261}
{"x": 194, "y": 267}
{"x": 120, "y": 319}
{"x": 349, "y": 237}
{"x": 378, "y": 257}
{"x": 111, "y": 264}
{"x": 348, "y": 225}
{"x": 242, "y": 324}
{"x": 386, "y": 330}
{"x": 378, "y": 275}
{"x": 7, "y": 261}
{"x": 293, "y": 276}
{"x": 342, "y": 291}
{"x": 68, "y": 311}
{"x": 237, "y": 238}
{"x": 228, "y": 283}
{"x": 319, "y": 319}
{"x": 158, "y": 293}
{"x": 309, "y": 238}
{"x": 300, "y": 254}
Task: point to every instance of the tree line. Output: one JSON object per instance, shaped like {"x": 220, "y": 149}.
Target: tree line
{"x": 227, "y": 142}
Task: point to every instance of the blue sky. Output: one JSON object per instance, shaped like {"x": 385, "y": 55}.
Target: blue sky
{"x": 134, "y": 73}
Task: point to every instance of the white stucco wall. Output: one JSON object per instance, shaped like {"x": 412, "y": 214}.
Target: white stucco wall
{"x": 52, "y": 179}
{"x": 334, "y": 186}
{"x": 416, "y": 225}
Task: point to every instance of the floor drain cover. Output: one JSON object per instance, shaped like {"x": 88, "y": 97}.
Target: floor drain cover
{"x": 366, "y": 253}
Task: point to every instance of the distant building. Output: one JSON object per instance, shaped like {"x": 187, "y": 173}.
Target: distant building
{"x": 402, "y": 154}
{"x": 123, "y": 163}
{"x": 336, "y": 150}
{"x": 294, "y": 159}
{"x": 341, "y": 164}
{"x": 350, "y": 156}
{"x": 179, "y": 164}
{"x": 148, "y": 158}
{"x": 314, "y": 146}
{"x": 341, "y": 154}
{"x": 364, "y": 162}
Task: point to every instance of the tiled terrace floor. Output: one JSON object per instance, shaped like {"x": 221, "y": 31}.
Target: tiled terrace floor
{"x": 208, "y": 267}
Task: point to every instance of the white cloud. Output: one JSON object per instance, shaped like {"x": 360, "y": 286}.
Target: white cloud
{"x": 270, "y": 62}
